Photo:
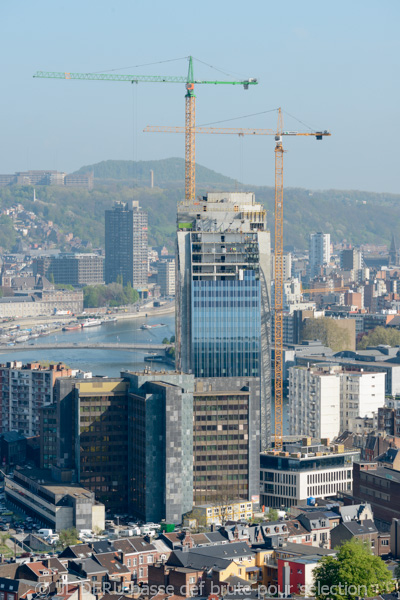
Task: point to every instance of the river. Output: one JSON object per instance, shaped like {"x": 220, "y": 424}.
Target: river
{"x": 109, "y": 362}
{"x": 102, "y": 362}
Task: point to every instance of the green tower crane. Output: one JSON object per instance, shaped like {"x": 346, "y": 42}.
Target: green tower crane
{"x": 190, "y": 106}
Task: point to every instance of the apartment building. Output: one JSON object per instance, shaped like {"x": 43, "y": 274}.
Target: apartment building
{"x": 319, "y": 252}
{"x": 362, "y": 394}
{"x": 126, "y": 244}
{"x": 314, "y": 401}
{"x": 24, "y": 390}
{"x": 166, "y": 277}
{"x": 209, "y": 514}
{"x": 325, "y": 398}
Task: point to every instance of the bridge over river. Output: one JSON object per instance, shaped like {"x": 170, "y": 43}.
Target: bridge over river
{"x": 86, "y": 346}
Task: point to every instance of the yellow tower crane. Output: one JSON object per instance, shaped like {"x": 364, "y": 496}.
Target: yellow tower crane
{"x": 278, "y": 281}
{"x": 190, "y": 106}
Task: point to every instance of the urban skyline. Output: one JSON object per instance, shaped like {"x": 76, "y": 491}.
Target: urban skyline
{"x": 217, "y": 409}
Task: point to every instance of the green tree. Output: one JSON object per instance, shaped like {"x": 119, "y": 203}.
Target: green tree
{"x": 380, "y": 335}
{"x": 355, "y": 571}
{"x": 165, "y": 341}
{"x": 272, "y": 514}
{"x": 329, "y": 331}
{"x": 68, "y": 537}
{"x": 200, "y": 518}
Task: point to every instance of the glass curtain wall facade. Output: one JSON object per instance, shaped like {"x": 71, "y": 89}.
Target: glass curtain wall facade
{"x": 226, "y": 327}
{"x": 223, "y": 276}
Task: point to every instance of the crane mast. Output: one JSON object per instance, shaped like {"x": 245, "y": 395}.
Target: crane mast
{"x": 190, "y": 137}
{"x": 278, "y": 286}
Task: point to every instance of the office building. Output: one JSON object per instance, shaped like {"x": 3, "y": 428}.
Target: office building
{"x": 304, "y": 470}
{"x": 378, "y": 483}
{"x": 128, "y": 440}
{"x": 319, "y": 252}
{"x": 226, "y": 442}
{"x": 73, "y": 269}
{"x": 166, "y": 277}
{"x": 56, "y": 504}
{"x": 92, "y": 433}
{"x": 223, "y": 291}
{"x": 160, "y": 445}
{"x": 24, "y": 389}
{"x": 48, "y": 436}
{"x": 126, "y": 244}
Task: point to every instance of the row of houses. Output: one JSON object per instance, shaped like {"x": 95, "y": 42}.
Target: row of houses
{"x": 268, "y": 555}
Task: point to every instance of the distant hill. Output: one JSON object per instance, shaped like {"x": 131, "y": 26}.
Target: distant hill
{"x": 169, "y": 170}
{"x": 355, "y": 216}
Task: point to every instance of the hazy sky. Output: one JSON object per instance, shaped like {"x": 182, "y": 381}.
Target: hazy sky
{"x": 333, "y": 64}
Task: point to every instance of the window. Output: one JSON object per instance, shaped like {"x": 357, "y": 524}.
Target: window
{"x": 141, "y": 559}
{"x": 385, "y": 542}
{"x": 128, "y": 562}
{"x": 150, "y": 559}
{"x": 141, "y": 571}
{"x": 192, "y": 579}
{"x": 134, "y": 574}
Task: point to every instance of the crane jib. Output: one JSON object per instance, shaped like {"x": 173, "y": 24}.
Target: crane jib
{"x": 136, "y": 78}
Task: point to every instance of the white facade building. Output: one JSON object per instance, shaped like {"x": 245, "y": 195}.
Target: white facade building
{"x": 166, "y": 277}
{"x": 314, "y": 401}
{"x": 319, "y": 252}
{"x": 362, "y": 394}
{"x": 325, "y": 400}
{"x": 302, "y": 471}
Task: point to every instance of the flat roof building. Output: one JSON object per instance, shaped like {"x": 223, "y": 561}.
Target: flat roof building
{"x": 126, "y": 244}
{"x": 304, "y": 470}
{"x": 56, "y": 504}
{"x": 71, "y": 269}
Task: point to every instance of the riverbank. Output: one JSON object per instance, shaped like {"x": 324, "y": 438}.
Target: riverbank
{"x": 61, "y": 321}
